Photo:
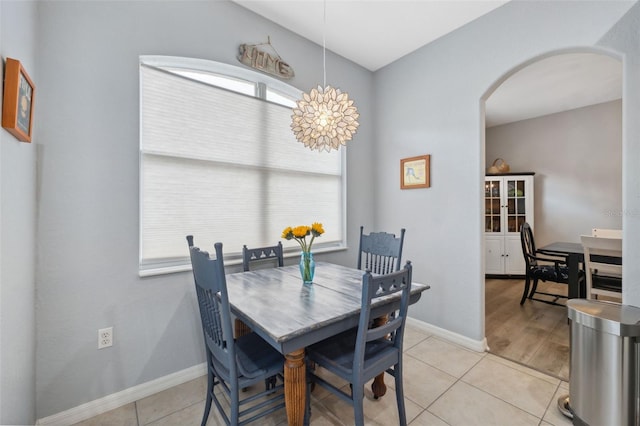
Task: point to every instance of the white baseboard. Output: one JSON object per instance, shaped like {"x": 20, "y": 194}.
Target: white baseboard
{"x": 124, "y": 397}
{"x": 143, "y": 390}
{"x": 459, "y": 339}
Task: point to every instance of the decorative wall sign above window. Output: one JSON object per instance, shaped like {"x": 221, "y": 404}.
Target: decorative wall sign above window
{"x": 254, "y": 56}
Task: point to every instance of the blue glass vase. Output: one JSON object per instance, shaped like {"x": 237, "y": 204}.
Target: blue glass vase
{"x": 307, "y": 267}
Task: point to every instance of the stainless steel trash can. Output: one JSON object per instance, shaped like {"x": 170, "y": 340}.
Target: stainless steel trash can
{"x": 604, "y": 364}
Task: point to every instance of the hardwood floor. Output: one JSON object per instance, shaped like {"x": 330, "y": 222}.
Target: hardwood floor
{"x": 535, "y": 334}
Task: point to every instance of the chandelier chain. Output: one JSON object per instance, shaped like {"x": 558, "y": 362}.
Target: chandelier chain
{"x": 324, "y": 43}
{"x": 325, "y": 118}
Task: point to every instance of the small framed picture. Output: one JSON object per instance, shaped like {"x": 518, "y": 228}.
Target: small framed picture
{"x": 17, "y": 106}
{"x": 414, "y": 172}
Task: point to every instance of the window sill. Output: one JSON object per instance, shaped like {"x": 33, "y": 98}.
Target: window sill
{"x": 173, "y": 269}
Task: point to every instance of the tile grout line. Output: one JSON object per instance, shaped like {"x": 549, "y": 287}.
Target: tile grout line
{"x": 548, "y": 404}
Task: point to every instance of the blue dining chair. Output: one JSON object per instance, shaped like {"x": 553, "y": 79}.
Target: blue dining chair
{"x": 359, "y": 355}
{"x": 272, "y": 255}
{"x": 253, "y": 258}
{"x": 380, "y": 252}
{"x": 232, "y": 364}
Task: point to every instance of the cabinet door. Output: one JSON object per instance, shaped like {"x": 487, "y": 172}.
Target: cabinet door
{"x": 514, "y": 259}
{"x": 518, "y": 196}
{"x": 493, "y": 205}
{"x": 508, "y": 203}
{"x": 494, "y": 255}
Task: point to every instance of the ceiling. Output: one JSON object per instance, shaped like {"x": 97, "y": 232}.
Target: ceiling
{"x": 371, "y": 33}
{"x": 374, "y": 33}
{"x": 555, "y": 84}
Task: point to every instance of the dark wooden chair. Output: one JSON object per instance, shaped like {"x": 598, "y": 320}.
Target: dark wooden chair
{"x": 258, "y": 257}
{"x": 233, "y": 364}
{"x": 541, "y": 266}
{"x": 380, "y": 252}
{"x": 360, "y": 354}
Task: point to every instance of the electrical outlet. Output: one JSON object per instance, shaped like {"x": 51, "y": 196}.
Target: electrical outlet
{"x": 105, "y": 337}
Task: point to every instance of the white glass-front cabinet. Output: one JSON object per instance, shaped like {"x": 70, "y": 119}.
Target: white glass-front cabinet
{"x": 508, "y": 203}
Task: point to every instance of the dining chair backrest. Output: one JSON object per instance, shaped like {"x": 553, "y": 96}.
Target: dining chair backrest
{"x": 271, "y": 255}
{"x": 603, "y": 265}
{"x": 374, "y": 349}
{"x": 606, "y": 233}
{"x": 528, "y": 245}
{"x": 380, "y": 252}
{"x": 379, "y": 286}
{"x": 215, "y": 313}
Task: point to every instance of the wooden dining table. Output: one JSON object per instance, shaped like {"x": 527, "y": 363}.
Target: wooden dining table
{"x": 574, "y": 254}
{"x": 290, "y": 316}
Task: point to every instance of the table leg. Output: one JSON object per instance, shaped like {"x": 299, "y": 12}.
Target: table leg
{"x": 241, "y": 329}
{"x": 378, "y": 387}
{"x": 573, "y": 263}
{"x": 295, "y": 386}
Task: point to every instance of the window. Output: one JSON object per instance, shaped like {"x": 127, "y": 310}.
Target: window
{"x": 218, "y": 160}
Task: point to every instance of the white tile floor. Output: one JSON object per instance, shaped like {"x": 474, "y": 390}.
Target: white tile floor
{"x": 444, "y": 384}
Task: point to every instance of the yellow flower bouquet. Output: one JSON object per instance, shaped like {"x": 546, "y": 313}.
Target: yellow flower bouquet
{"x": 300, "y": 234}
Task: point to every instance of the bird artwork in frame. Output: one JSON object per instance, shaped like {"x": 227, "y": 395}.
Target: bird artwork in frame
{"x": 415, "y": 172}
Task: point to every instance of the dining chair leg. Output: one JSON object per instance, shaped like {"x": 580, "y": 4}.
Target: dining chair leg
{"x": 534, "y": 288}
{"x": 527, "y": 282}
{"x": 207, "y": 407}
{"x": 357, "y": 393}
{"x": 402, "y": 415}
{"x": 234, "y": 415}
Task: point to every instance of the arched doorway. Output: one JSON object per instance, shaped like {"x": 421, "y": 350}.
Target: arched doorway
{"x": 564, "y": 125}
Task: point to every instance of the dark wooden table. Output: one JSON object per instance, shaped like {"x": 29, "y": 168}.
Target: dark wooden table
{"x": 575, "y": 255}
{"x": 291, "y": 316}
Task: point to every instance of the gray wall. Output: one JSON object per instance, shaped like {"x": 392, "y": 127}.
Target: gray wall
{"x": 88, "y": 211}
{"x": 17, "y": 230}
{"x": 577, "y": 158}
{"x": 430, "y": 102}
{"x": 87, "y": 175}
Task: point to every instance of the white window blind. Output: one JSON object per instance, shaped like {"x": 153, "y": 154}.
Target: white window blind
{"x": 224, "y": 166}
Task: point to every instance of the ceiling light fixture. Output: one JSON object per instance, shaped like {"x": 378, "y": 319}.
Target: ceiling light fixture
{"x": 324, "y": 119}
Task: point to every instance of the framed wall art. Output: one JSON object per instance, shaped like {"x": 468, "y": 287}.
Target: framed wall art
{"x": 414, "y": 172}
{"x": 17, "y": 106}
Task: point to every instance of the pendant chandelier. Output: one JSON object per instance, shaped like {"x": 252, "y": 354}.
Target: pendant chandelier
{"x": 325, "y": 118}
